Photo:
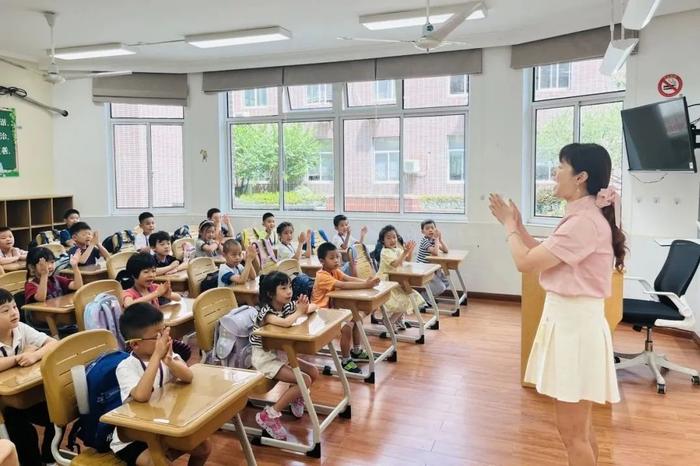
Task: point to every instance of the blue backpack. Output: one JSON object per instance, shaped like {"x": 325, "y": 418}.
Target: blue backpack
{"x": 100, "y": 394}
{"x": 302, "y": 284}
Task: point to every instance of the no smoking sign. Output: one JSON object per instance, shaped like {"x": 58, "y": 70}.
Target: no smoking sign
{"x": 670, "y": 85}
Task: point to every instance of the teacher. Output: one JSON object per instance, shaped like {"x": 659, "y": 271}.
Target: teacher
{"x": 572, "y": 357}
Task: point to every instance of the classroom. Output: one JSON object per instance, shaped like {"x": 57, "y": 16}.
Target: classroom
{"x": 427, "y": 232}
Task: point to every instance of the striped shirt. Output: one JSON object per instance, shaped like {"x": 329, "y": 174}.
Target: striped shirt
{"x": 288, "y": 309}
{"x": 423, "y": 251}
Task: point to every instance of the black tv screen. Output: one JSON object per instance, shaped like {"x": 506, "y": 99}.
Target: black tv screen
{"x": 658, "y": 137}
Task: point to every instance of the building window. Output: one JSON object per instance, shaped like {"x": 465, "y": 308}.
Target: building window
{"x": 385, "y": 91}
{"x": 386, "y": 160}
{"x": 148, "y": 156}
{"x": 321, "y": 168}
{"x": 458, "y": 85}
{"x": 319, "y": 94}
{"x": 255, "y": 98}
{"x": 455, "y": 154}
{"x": 560, "y": 118}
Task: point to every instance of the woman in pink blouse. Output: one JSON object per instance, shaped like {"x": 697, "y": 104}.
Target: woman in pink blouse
{"x": 572, "y": 357}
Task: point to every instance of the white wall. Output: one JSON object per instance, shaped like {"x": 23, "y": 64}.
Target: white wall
{"x": 34, "y": 134}
{"x": 496, "y": 151}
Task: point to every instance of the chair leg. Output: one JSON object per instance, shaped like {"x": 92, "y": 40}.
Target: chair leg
{"x": 663, "y": 362}
{"x": 654, "y": 367}
{"x": 640, "y": 359}
{"x": 627, "y": 355}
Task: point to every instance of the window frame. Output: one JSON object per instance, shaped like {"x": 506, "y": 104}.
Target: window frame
{"x": 111, "y": 154}
{"x": 449, "y": 157}
{"x": 530, "y": 130}
{"x": 320, "y": 179}
{"x": 388, "y": 154}
{"x": 257, "y": 93}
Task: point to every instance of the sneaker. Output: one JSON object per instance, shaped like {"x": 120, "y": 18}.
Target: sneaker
{"x": 359, "y": 355}
{"x": 271, "y": 425}
{"x": 350, "y": 366}
{"x": 297, "y": 407}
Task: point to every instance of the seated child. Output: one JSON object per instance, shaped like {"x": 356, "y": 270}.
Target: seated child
{"x": 9, "y": 254}
{"x": 232, "y": 272}
{"x": 70, "y": 217}
{"x": 402, "y": 300}
{"x": 343, "y": 240}
{"x": 286, "y": 248}
{"x": 152, "y": 364}
{"x": 162, "y": 252}
{"x": 141, "y": 267}
{"x": 41, "y": 283}
{"x": 206, "y": 244}
{"x": 268, "y": 222}
{"x": 330, "y": 278}
{"x": 276, "y": 308}
{"x": 431, "y": 245}
{"x": 147, "y": 222}
{"x": 222, "y": 223}
{"x": 21, "y": 345}
{"x": 88, "y": 243}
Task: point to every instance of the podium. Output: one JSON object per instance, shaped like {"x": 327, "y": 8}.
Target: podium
{"x": 533, "y": 302}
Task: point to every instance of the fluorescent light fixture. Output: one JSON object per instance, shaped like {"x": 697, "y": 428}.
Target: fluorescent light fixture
{"x": 616, "y": 55}
{"x": 248, "y": 36}
{"x": 93, "y": 51}
{"x": 638, "y": 13}
{"x": 402, "y": 19}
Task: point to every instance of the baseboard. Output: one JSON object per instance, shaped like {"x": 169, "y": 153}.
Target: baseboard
{"x": 679, "y": 333}
{"x": 513, "y": 298}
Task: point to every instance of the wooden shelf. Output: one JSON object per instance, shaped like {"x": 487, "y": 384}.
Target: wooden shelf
{"x": 60, "y": 205}
{"x": 28, "y": 216}
{"x": 40, "y": 211}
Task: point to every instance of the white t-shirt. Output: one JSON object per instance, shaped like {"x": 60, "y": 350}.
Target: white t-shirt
{"x": 23, "y": 336}
{"x": 129, "y": 373}
{"x": 286, "y": 251}
{"x": 225, "y": 270}
{"x": 338, "y": 240}
{"x": 141, "y": 241}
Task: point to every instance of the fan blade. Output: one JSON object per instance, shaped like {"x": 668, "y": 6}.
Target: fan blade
{"x": 454, "y": 21}
{"x": 362, "y": 39}
{"x": 102, "y": 74}
{"x": 21, "y": 66}
{"x": 449, "y": 42}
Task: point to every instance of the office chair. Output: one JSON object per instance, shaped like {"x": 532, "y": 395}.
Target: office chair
{"x": 667, "y": 307}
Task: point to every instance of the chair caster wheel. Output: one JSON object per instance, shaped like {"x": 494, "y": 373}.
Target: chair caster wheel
{"x": 695, "y": 379}
{"x": 383, "y": 335}
{"x": 617, "y": 360}
{"x": 327, "y": 370}
{"x": 394, "y": 357}
{"x": 661, "y": 388}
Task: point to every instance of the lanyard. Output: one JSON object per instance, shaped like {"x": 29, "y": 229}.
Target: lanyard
{"x": 160, "y": 370}
{"x": 4, "y": 353}
{"x": 288, "y": 246}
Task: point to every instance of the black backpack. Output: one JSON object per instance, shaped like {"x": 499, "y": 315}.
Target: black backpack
{"x": 182, "y": 232}
{"x": 209, "y": 282}
{"x": 113, "y": 243}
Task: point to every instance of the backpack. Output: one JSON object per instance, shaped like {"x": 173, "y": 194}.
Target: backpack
{"x": 302, "y": 284}
{"x": 104, "y": 312}
{"x": 124, "y": 279}
{"x": 97, "y": 393}
{"x": 46, "y": 237}
{"x": 182, "y": 232}
{"x": 62, "y": 263}
{"x": 209, "y": 282}
{"x": 376, "y": 255}
{"x": 231, "y": 338}
{"x": 113, "y": 243}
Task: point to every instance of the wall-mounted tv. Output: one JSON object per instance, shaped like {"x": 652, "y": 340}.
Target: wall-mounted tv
{"x": 658, "y": 137}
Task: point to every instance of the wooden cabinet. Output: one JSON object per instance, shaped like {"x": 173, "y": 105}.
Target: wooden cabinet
{"x": 28, "y": 216}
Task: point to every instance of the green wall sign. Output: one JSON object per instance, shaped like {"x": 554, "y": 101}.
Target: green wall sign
{"x": 8, "y": 142}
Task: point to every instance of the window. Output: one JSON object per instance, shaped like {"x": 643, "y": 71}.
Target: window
{"x": 148, "y": 156}
{"x": 386, "y": 159}
{"x": 319, "y": 94}
{"x": 253, "y": 102}
{"x": 369, "y": 93}
{"x": 255, "y": 156}
{"x": 321, "y": 169}
{"x": 385, "y": 91}
{"x": 455, "y": 155}
{"x": 458, "y": 85}
{"x": 560, "y": 118}
{"x": 253, "y": 98}
{"x": 316, "y": 97}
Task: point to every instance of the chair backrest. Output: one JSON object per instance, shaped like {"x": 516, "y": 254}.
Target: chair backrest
{"x": 13, "y": 281}
{"x": 363, "y": 264}
{"x": 117, "y": 263}
{"x": 178, "y": 246}
{"x": 56, "y": 248}
{"x": 289, "y": 266}
{"x": 197, "y": 270}
{"x": 678, "y": 270}
{"x": 88, "y": 292}
{"x": 77, "y": 349}
{"x": 207, "y": 309}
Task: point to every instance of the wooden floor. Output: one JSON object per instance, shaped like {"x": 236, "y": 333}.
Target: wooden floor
{"x": 457, "y": 400}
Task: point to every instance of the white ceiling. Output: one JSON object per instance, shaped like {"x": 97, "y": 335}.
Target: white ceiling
{"x": 315, "y": 24}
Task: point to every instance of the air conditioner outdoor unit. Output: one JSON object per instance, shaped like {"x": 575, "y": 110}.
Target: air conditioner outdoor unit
{"x": 411, "y": 167}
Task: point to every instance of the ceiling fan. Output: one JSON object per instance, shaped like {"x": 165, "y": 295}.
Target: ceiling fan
{"x": 432, "y": 38}
{"x": 52, "y": 73}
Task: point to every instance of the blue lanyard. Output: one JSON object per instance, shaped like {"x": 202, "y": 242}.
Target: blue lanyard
{"x": 160, "y": 370}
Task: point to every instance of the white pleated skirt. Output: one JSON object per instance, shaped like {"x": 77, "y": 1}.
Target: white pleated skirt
{"x": 572, "y": 356}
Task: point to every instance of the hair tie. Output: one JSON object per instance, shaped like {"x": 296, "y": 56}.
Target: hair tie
{"x": 607, "y": 197}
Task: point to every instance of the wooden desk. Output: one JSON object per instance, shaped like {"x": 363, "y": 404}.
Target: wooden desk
{"x": 310, "y": 265}
{"x": 178, "y": 316}
{"x": 450, "y": 261}
{"x": 178, "y": 280}
{"x": 361, "y": 303}
{"x": 533, "y": 302}
{"x": 416, "y": 274}
{"x": 181, "y": 416}
{"x": 247, "y": 293}
{"x": 90, "y": 273}
{"x": 308, "y": 337}
{"x": 54, "y": 311}
{"x": 11, "y": 267}
{"x": 21, "y": 388}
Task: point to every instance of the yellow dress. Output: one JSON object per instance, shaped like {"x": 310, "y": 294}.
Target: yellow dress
{"x": 400, "y": 301}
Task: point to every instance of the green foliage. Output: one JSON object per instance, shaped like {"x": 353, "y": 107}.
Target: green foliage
{"x": 300, "y": 197}
{"x": 548, "y": 205}
{"x": 441, "y": 202}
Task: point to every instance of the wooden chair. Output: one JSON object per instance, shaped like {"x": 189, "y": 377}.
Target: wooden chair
{"x": 8, "y": 453}
{"x": 289, "y": 266}
{"x": 117, "y": 263}
{"x": 56, "y": 248}
{"x": 207, "y": 309}
{"x": 78, "y": 349}
{"x": 88, "y": 292}
{"x": 13, "y": 281}
{"x": 178, "y": 247}
{"x": 363, "y": 264}
{"x": 197, "y": 270}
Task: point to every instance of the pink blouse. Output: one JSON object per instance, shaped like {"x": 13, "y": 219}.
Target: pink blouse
{"x": 583, "y": 242}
